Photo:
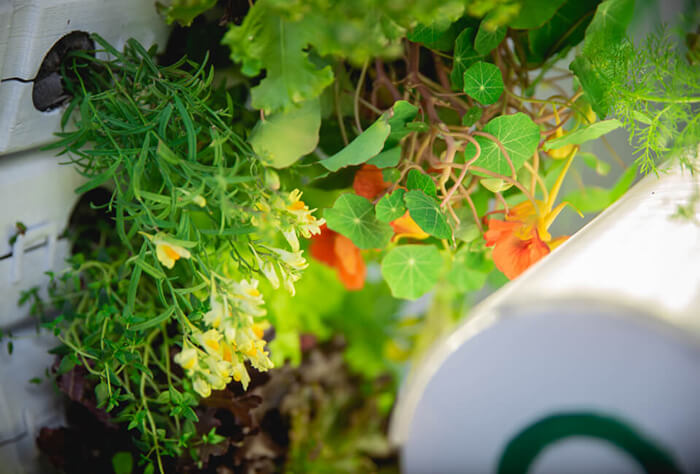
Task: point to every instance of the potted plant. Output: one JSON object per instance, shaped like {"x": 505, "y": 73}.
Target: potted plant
{"x": 239, "y": 309}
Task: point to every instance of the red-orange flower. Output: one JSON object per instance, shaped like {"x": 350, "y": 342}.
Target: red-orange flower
{"x": 339, "y": 252}
{"x": 369, "y": 182}
{"x": 523, "y": 238}
{"x": 511, "y": 254}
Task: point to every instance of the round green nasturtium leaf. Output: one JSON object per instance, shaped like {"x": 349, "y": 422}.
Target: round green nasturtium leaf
{"x": 483, "y": 82}
{"x": 281, "y": 139}
{"x": 391, "y": 206}
{"x": 353, "y": 216}
{"x": 472, "y": 116}
{"x": 425, "y": 211}
{"x": 411, "y": 270}
{"x": 519, "y": 136}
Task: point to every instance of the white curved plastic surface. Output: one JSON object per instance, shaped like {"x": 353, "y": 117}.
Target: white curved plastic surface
{"x": 634, "y": 255}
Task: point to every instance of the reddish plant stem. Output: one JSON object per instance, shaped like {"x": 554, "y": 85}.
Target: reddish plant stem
{"x": 383, "y": 80}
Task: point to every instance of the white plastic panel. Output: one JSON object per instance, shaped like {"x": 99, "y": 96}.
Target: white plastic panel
{"x": 36, "y": 190}
{"x": 542, "y": 361}
{"x": 34, "y": 27}
{"x": 26, "y": 407}
{"x": 5, "y": 17}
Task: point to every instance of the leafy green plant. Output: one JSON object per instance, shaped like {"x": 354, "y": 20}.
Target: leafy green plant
{"x": 424, "y": 134}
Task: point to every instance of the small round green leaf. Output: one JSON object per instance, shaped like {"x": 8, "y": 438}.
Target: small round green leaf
{"x": 353, "y": 216}
{"x": 483, "y": 82}
{"x": 519, "y": 136}
{"x": 411, "y": 270}
{"x": 472, "y": 116}
{"x": 391, "y": 206}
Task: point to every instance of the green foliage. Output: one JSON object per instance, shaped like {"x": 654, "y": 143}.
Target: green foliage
{"x": 472, "y": 116}
{"x": 534, "y": 13}
{"x": 391, "y": 206}
{"x": 387, "y": 158}
{"x": 422, "y": 182}
{"x": 123, "y": 463}
{"x": 187, "y": 194}
{"x": 518, "y": 135}
{"x": 464, "y": 56}
{"x": 584, "y": 134}
{"x": 483, "y": 82}
{"x": 566, "y": 28}
{"x": 384, "y": 134}
{"x": 277, "y": 45}
{"x": 657, "y": 102}
{"x": 601, "y": 167}
{"x": 367, "y": 145}
{"x": 276, "y": 36}
{"x": 651, "y": 89}
{"x": 439, "y": 35}
{"x": 353, "y": 216}
{"x": 606, "y": 53}
{"x": 425, "y": 211}
{"x": 595, "y": 198}
{"x": 281, "y": 139}
{"x": 411, "y": 270}
{"x": 185, "y": 11}
{"x": 171, "y": 149}
{"x": 400, "y": 114}
{"x": 470, "y": 269}
{"x": 487, "y": 39}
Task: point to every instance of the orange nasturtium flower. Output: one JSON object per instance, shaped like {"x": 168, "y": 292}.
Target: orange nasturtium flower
{"x": 405, "y": 226}
{"x": 523, "y": 238}
{"x": 339, "y": 252}
{"x": 369, "y": 182}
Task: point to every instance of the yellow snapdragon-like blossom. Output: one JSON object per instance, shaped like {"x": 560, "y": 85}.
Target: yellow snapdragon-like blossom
{"x": 167, "y": 251}
{"x": 214, "y": 357}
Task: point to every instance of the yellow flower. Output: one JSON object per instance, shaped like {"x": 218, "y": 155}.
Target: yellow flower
{"x": 199, "y": 200}
{"x": 201, "y": 387}
{"x": 210, "y": 341}
{"x": 293, "y": 259}
{"x": 564, "y": 151}
{"x": 187, "y": 358}
{"x": 216, "y": 314}
{"x": 167, "y": 252}
{"x": 306, "y": 223}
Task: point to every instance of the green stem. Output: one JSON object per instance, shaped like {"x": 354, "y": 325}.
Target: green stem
{"x": 667, "y": 100}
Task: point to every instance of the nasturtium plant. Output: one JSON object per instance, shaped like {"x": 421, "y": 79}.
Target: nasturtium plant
{"x": 269, "y": 213}
{"x": 488, "y": 37}
{"x": 425, "y": 211}
{"x": 464, "y": 56}
{"x": 411, "y": 270}
{"x": 515, "y": 139}
{"x": 354, "y": 217}
{"x": 391, "y": 206}
{"x": 422, "y": 182}
{"x": 483, "y": 82}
